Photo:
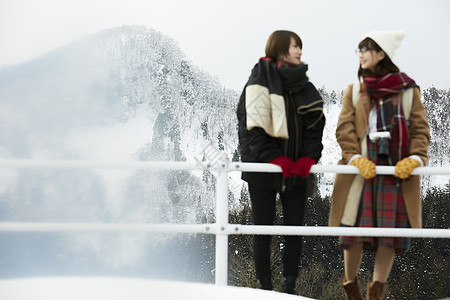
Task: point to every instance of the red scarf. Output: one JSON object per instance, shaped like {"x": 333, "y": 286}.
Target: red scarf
{"x": 390, "y": 115}
{"x": 392, "y": 83}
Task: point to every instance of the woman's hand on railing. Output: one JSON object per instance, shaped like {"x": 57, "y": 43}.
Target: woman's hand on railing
{"x": 366, "y": 167}
{"x": 287, "y": 165}
{"x": 303, "y": 166}
{"x": 404, "y": 168}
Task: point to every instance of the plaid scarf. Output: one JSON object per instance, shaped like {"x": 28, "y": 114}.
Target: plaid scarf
{"x": 386, "y": 91}
{"x": 390, "y": 117}
{"x": 392, "y": 83}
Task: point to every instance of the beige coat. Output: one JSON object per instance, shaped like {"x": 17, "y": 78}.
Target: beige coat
{"x": 351, "y": 129}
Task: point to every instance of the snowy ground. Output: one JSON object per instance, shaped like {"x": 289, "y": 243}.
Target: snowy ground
{"x": 98, "y": 288}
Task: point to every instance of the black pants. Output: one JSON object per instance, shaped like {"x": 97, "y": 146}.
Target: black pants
{"x": 263, "y": 208}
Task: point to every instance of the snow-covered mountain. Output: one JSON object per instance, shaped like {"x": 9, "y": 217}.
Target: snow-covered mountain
{"x": 128, "y": 93}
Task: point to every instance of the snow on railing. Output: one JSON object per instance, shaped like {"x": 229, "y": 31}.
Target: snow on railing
{"x": 221, "y": 228}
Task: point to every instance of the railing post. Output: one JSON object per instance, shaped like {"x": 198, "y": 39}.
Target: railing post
{"x": 222, "y": 224}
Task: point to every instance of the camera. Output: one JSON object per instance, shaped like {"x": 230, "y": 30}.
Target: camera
{"x": 382, "y": 138}
{"x": 383, "y": 148}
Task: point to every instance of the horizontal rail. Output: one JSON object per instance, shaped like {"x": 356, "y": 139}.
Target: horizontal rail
{"x": 104, "y": 227}
{"x": 96, "y": 164}
{"x": 341, "y": 169}
{"x": 230, "y": 229}
{"x": 341, "y": 231}
{"x": 219, "y": 166}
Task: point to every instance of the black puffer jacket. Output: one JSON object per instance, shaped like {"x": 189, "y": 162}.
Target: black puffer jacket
{"x": 305, "y": 128}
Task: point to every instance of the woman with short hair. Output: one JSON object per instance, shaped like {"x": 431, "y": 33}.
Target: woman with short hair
{"x": 281, "y": 121}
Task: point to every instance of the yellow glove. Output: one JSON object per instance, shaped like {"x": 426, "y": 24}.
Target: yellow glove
{"x": 405, "y": 167}
{"x": 366, "y": 167}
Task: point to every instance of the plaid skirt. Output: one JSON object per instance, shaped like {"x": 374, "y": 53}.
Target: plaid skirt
{"x": 382, "y": 205}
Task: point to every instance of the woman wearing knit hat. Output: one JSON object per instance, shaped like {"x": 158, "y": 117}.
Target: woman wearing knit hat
{"x": 382, "y": 122}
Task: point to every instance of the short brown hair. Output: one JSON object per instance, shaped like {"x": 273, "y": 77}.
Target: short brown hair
{"x": 279, "y": 42}
{"x": 383, "y": 67}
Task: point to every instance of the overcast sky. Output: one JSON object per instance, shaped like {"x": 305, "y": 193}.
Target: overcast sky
{"x": 226, "y": 38}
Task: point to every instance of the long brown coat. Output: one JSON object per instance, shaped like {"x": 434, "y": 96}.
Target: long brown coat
{"x": 352, "y": 127}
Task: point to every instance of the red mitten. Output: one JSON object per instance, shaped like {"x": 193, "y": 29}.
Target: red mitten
{"x": 286, "y": 164}
{"x": 303, "y": 166}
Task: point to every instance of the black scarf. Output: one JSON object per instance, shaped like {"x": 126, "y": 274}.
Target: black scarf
{"x": 279, "y": 79}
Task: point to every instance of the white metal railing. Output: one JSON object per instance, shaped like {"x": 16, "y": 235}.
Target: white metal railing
{"x": 221, "y": 228}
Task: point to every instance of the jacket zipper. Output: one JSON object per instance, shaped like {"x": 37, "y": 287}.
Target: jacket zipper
{"x": 296, "y": 134}
{"x": 283, "y": 180}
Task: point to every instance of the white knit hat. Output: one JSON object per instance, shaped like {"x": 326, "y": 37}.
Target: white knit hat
{"x": 387, "y": 40}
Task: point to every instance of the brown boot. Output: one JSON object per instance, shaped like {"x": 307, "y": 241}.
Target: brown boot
{"x": 375, "y": 290}
{"x": 352, "y": 289}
